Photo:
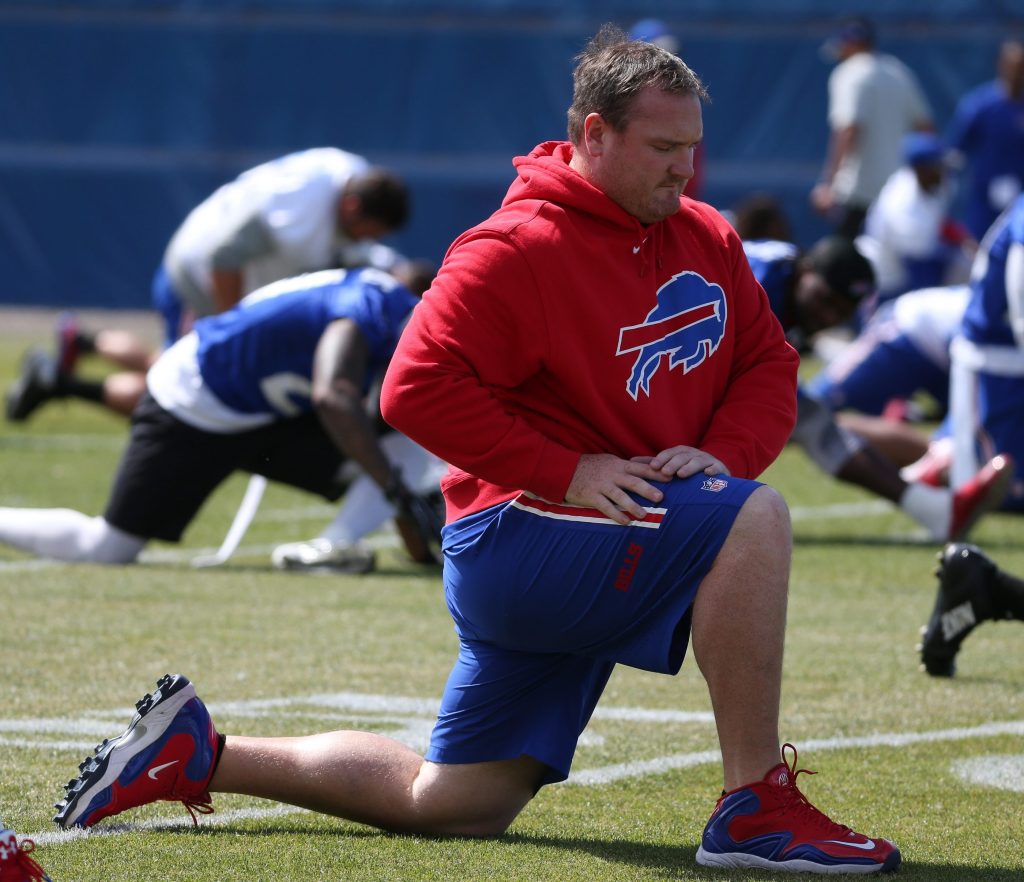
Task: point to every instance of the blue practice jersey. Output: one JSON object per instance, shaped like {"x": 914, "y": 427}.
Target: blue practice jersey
{"x": 258, "y": 357}
{"x": 254, "y": 363}
{"x": 774, "y": 264}
{"x": 988, "y": 128}
{"x": 987, "y": 317}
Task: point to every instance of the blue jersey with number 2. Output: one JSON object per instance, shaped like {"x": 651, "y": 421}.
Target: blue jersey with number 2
{"x": 258, "y": 357}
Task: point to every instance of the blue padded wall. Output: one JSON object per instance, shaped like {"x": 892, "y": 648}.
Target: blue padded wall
{"x": 117, "y": 116}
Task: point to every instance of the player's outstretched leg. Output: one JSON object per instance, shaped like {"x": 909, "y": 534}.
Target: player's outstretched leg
{"x": 770, "y": 825}
{"x": 169, "y": 751}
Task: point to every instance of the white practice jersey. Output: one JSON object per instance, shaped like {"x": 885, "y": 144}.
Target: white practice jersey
{"x": 930, "y": 318}
{"x": 293, "y": 200}
{"x": 904, "y": 223}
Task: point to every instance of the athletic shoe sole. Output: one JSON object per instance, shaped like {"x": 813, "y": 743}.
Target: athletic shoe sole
{"x": 744, "y": 861}
{"x": 154, "y": 713}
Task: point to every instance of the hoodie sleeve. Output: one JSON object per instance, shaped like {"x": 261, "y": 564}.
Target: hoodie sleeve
{"x": 478, "y": 334}
{"x": 753, "y": 421}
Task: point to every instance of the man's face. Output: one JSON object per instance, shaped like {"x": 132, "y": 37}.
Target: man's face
{"x": 354, "y": 225}
{"x": 1011, "y": 67}
{"x": 645, "y": 167}
{"x": 929, "y": 176}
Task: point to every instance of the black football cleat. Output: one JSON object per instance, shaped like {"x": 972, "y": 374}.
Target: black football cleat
{"x": 964, "y": 599}
{"x": 36, "y": 385}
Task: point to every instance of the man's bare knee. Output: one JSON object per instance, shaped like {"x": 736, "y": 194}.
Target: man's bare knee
{"x": 476, "y": 799}
{"x": 762, "y": 531}
{"x": 765, "y": 511}
{"x": 767, "y": 501}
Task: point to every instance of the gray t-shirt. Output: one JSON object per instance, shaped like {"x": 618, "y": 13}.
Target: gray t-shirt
{"x": 880, "y": 96}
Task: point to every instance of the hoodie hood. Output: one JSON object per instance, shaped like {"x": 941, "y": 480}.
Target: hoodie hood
{"x": 545, "y": 174}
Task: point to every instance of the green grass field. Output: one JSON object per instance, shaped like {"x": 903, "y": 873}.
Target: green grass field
{"x": 899, "y": 754}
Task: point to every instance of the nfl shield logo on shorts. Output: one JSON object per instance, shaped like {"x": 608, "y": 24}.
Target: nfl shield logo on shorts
{"x": 714, "y": 485}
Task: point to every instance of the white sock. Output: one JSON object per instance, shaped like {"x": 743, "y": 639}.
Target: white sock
{"x": 364, "y": 508}
{"x": 932, "y": 507}
{"x": 362, "y": 511}
{"x": 63, "y": 534}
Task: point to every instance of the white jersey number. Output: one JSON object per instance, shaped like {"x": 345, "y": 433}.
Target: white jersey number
{"x": 281, "y": 390}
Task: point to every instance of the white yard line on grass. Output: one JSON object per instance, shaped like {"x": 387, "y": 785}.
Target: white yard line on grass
{"x": 609, "y": 774}
{"x": 1003, "y": 772}
{"x": 840, "y": 510}
{"x": 50, "y": 837}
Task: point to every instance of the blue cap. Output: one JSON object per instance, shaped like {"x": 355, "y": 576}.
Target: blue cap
{"x": 648, "y": 30}
{"x": 654, "y": 30}
{"x": 855, "y": 30}
{"x": 851, "y": 30}
{"x": 922, "y": 148}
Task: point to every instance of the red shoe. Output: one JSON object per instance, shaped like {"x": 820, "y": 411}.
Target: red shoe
{"x": 169, "y": 751}
{"x": 68, "y": 350}
{"x": 932, "y": 468}
{"x": 980, "y": 495}
{"x": 896, "y": 410}
{"x": 771, "y": 825}
{"x": 16, "y": 863}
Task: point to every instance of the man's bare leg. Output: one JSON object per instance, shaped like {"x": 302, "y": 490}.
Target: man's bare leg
{"x": 379, "y": 781}
{"x": 122, "y": 391}
{"x": 125, "y": 349}
{"x": 738, "y": 630}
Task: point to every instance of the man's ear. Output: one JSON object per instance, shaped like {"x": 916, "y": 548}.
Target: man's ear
{"x": 595, "y": 132}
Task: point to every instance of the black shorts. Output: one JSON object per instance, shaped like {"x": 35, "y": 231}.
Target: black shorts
{"x": 170, "y": 468}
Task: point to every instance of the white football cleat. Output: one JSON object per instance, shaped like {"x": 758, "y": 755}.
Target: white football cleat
{"x": 323, "y": 556}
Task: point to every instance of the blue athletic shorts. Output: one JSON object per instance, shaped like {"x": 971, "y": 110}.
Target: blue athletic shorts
{"x": 1001, "y": 412}
{"x": 876, "y": 370}
{"x": 548, "y": 598}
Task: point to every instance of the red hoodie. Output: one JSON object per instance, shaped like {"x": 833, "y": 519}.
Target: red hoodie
{"x": 562, "y": 325}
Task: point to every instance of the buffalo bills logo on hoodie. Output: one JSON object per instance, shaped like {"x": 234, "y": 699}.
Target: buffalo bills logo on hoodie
{"x": 686, "y": 327}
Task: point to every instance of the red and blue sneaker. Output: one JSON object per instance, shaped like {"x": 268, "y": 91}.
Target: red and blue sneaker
{"x": 771, "y": 825}
{"x": 16, "y": 861}
{"x": 169, "y": 751}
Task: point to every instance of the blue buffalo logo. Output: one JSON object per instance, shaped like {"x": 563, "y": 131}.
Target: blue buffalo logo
{"x": 686, "y": 327}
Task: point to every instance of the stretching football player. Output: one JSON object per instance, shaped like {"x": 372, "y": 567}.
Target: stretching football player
{"x": 311, "y": 210}
{"x": 819, "y": 290}
{"x": 275, "y": 386}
